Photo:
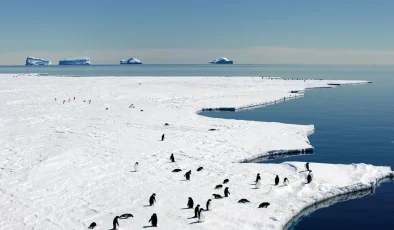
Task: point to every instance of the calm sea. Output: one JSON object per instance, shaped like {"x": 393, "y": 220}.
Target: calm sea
{"x": 353, "y": 124}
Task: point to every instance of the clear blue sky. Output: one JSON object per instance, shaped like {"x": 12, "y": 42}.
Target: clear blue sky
{"x": 155, "y": 29}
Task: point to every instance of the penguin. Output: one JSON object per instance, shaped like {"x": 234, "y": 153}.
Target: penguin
{"x": 162, "y": 137}
{"x": 226, "y": 192}
{"x": 258, "y": 184}
{"x": 190, "y": 203}
{"x": 125, "y": 216}
{"x": 258, "y": 177}
{"x": 153, "y": 219}
{"x": 201, "y": 216}
{"x": 225, "y": 181}
{"x": 92, "y": 225}
{"x": 199, "y": 169}
{"x": 166, "y": 124}
{"x": 136, "y": 166}
{"x": 69, "y": 100}
{"x": 90, "y": 101}
{"x": 55, "y": 100}
{"x": 219, "y": 186}
{"x": 309, "y": 178}
{"x": 209, "y": 207}
{"x": 196, "y": 210}
{"x": 106, "y": 108}
{"x": 74, "y": 98}
{"x": 172, "y": 158}
{"x": 187, "y": 175}
{"x": 276, "y": 180}
{"x": 152, "y": 199}
{"x": 116, "y": 222}
{"x": 176, "y": 170}
{"x": 307, "y": 166}
{"x": 286, "y": 181}
{"x": 217, "y": 196}
{"x": 264, "y": 205}
{"x": 243, "y": 201}
{"x": 64, "y": 101}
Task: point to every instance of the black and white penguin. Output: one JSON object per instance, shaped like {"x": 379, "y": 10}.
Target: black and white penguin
{"x": 74, "y": 98}
{"x": 309, "y": 178}
{"x": 258, "y": 184}
{"x": 64, "y": 101}
{"x": 55, "y": 100}
{"x": 286, "y": 181}
{"x": 217, "y": 196}
{"x": 225, "y": 181}
{"x": 106, "y": 108}
{"x": 226, "y": 192}
{"x": 116, "y": 222}
{"x": 258, "y": 177}
{"x": 125, "y": 216}
{"x": 307, "y": 166}
{"x": 136, "y": 166}
{"x": 196, "y": 210}
{"x": 69, "y": 100}
{"x": 172, "y": 158}
{"x": 276, "y": 180}
{"x": 199, "y": 169}
{"x": 92, "y": 225}
{"x": 190, "y": 203}
{"x": 152, "y": 199}
{"x": 209, "y": 207}
{"x": 243, "y": 201}
{"x": 201, "y": 216}
{"x": 176, "y": 170}
{"x": 187, "y": 175}
{"x": 90, "y": 101}
{"x": 219, "y": 186}
{"x": 153, "y": 219}
{"x": 162, "y": 137}
{"x": 264, "y": 205}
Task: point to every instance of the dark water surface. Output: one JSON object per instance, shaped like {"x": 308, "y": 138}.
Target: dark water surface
{"x": 353, "y": 124}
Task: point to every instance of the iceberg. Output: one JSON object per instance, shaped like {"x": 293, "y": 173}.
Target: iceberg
{"x": 37, "y": 61}
{"x": 221, "y": 60}
{"x": 75, "y": 61}
{"x": 131, "y": 61}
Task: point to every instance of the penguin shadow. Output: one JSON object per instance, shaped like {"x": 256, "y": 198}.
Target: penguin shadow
{"x": 185, "y": 208}
{"x": 149, "y": 226}
{"x": 133, "y": 171}
{"x": 195, "y": 222}
{"x": 147, "y": 205}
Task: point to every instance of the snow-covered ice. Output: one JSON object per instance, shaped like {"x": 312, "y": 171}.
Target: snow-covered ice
{"x": 75, "y": 61}
{"x": 221, "y": 60}
{"x": 131, "y": 61}
{"x": 65, "y": 165}
{"x": 37, "y": 61}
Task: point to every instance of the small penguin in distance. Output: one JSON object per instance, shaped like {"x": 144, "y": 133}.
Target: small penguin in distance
{"x": 225, "y": 181}
{"x": 92, "y": 225}
{"x": 217, "y": 196}
{"x": 125, "y": 216}
{"x": 258, "y": 177}
{"x": 187, "y": 175}
{"x": 196, "y": 210}
{"x": 172, "y": 158}
{"x": 199, "y": 169}
{"x": 190, "y": 203}
{"x": 309, "y": 178}
{"x": 276, "y": 180}
{"x": 136, "y": 166}
{"x": 152, "y": 199}
{"x": 115, "y": 222}
{"x": 258, "y": 184}
{"x": 201, "y": 216}
{"x": 307, "y": 166}
{"x": 243, "y": 201}
{"x": 162, "y": 137}
{"x": 176, "y": 170}
{"x": 209, "y": 207}
{"x": 286, "y": 181}
{"x": 153, "y": 219}
{"x": 219, "y": 186}
{"x": 226, "y": 192}
{"x": 264, "y": 205}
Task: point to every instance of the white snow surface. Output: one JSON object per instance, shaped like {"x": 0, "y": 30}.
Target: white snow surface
{"x": 63, "y": 166}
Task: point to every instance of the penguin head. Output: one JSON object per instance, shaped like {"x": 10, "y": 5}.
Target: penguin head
{"x": 190, "y": 198}
{"x": 154, "y": 194}
{"x": 136, "y": 163}
{"x": 209, "y": 200}
{"x": 201, "y": 209}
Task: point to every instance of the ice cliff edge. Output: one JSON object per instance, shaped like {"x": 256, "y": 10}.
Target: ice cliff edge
{"x": 75, "y": 61}
{"x": 37, "y": 61}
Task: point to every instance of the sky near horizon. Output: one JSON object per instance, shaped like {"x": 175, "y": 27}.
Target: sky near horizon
{"x": 180, "y": 31}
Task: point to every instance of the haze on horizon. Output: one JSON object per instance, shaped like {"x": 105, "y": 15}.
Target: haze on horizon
{"x": 255, "y": 32}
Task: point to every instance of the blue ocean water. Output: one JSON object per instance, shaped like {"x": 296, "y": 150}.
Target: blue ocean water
{"x": 353, "y": 124}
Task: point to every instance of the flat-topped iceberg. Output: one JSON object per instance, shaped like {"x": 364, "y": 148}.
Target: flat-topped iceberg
{"x": 75, "y": 61}
{"x": 37, "y": 61}
{"x": 221, "y": 60}
{"x": 131, "y": 61}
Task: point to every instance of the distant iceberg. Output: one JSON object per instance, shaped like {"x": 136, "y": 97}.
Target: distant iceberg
{"x": 75, "y": 61}
{"x": 131, "y": 61}
{"x": 221, "y": 60}
{"x": 37, "y": 61}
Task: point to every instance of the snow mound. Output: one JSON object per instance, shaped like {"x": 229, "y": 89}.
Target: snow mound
{"x": 68, "y": 163}
{"x": 37, "y": 61}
